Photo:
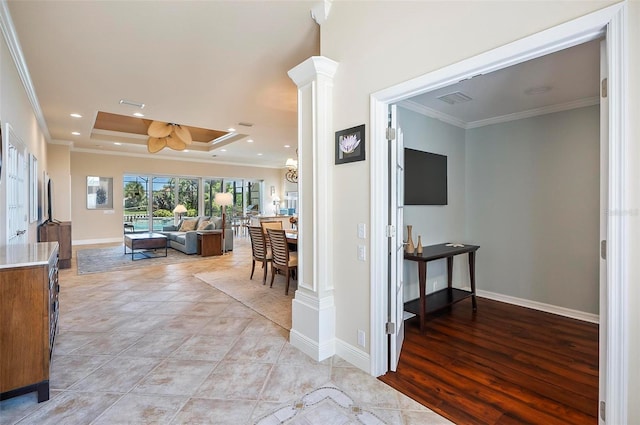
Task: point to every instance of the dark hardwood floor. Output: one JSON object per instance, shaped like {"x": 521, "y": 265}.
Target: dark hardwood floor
{"x": 502, "y": 365}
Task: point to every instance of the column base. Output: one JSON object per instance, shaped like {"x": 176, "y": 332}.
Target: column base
{"x": 313, "y": 325}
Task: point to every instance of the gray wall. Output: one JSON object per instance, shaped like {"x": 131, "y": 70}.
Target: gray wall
{"x": 527, "y": 192}
{"x": 533, "y": 206}
{"x": 436, "y": 223}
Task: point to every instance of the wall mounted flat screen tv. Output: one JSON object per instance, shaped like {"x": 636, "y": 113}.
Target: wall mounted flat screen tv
{"x": 425, "y": 178}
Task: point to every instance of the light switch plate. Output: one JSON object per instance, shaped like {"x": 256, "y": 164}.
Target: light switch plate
{"x": 362, "y": 253}
{"x": 362, "y": 230}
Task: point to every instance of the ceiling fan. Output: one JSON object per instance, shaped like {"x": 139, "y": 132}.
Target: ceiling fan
{"x": 163, "y": 134}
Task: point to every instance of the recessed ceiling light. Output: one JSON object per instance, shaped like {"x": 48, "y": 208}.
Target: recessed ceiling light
{"x": 138, "y": 114}
{"x": 117, "y": 143}
{"x": 223, "y": 150}
{"x": 259, "y": 154}
{"x": 75, "y": 133}
{"x": 287, "y": 146}
{"x": 250, "y": 141}
{"x": 186, "y": 150}
{"x": 74, "y": 115}
{"x": 231, "y": 129}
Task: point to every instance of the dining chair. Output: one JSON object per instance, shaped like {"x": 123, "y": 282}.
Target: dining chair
{"x": 260, "y": 251}
{"x": 275, "y": 224}
{"x": 281, "y": 258}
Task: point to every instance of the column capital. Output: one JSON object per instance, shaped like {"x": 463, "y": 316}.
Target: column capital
{"x": 311, "y": 68}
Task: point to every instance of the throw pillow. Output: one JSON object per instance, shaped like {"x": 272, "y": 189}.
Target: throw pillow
{"x": 210, "y": 226}
{"x": 217, "y": 222}
{"x": 202, "y": 224}
{"x": 188, "y": 225}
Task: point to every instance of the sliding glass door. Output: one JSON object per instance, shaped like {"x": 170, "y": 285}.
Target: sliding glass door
{"x": 149, "y": 200}
{"x": 163, "y": 202}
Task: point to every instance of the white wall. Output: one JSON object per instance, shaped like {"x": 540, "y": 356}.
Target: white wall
{"x": 16, "y": 110}
{"x": 436, "y": 223}
{"x": 533, "y": 207}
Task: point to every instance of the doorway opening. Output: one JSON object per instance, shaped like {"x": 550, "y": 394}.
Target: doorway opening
{"x": 609, "y": 21}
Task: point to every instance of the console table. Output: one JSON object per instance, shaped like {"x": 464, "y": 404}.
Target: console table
{"x": 445, "y": 297}
{"x": 58, "y": 231}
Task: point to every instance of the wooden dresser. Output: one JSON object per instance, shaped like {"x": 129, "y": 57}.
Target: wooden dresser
{"x": 28, "y": 317}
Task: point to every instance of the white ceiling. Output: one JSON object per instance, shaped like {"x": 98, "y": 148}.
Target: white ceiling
{"x": 209, "y": 64}
{"x": 572, "y": 76}
{"x": 213, "y": 64}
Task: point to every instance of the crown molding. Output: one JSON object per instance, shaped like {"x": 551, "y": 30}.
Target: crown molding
{"x": 320, "y": 11}
{"x": 580, "y": 103}
{"x": 170, "y": 158}
{"x": 10, "y": 36}
{"x": 421, "y": 109}
{"x": 429, "y": 112}
{"x": 61, "y": 142}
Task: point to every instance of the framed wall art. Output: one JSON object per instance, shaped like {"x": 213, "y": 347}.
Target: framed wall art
{"x": 99, "y": 193}
{"x": 350, "y": 145}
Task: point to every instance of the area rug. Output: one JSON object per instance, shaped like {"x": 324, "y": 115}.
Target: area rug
{"x": 98, "y": 260}
{"x": 271, "y": 303}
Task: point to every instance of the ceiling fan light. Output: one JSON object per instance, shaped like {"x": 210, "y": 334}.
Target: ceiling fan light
{"x": 159, "y": 129}
{"x": 155, "y": 144}
{"x": 182, "y": 133}
{"x": 175, "y": 143}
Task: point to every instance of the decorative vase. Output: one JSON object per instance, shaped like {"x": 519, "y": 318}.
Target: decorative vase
{"x": 410, "y": 246}
{"x": 419, "y": 247}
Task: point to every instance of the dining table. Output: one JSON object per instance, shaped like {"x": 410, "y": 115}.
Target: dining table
{"x": 292, "y": 239}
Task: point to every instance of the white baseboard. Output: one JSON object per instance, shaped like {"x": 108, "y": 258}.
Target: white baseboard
{"x": 353, "y": 355}
{"x": 311, "y": 347}
{"x": 554, "y": 309}
{"x": 95, "y": 241}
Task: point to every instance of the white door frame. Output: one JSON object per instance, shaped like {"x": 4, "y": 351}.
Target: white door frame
{"x": 610, "y": 21}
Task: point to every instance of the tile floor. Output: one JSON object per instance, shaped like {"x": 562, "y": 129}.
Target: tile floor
{"x": 155, "y": 345}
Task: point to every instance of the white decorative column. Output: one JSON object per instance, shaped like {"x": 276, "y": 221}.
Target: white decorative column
{"x": 313, "y": 309}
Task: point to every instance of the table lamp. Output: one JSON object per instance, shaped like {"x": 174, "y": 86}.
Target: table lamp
{"x": 179, "y": 209}
{"x": 223, "y": 199}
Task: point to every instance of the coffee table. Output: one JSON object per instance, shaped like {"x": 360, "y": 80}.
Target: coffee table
{"x": 145, "y": 241}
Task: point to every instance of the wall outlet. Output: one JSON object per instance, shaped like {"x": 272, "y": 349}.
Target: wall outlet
{"x": 361, "y": 338}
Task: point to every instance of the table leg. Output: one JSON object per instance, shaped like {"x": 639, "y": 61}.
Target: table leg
{"x": 450, "y": 271}
{"x": 472, "y": 273}
{"x": 422, "y": 279}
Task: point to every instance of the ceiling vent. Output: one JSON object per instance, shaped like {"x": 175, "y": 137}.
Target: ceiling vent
{"x": 455, "y": 97}
{"x": 246, "y": 124}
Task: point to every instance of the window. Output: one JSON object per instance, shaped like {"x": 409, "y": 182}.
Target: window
{"x": 157, "y": 196}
